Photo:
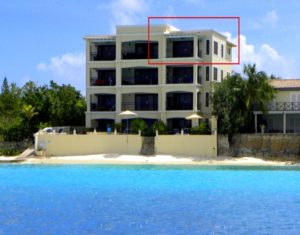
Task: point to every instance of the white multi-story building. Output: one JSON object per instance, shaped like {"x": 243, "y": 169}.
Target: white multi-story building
{"x": 118, "y": 76}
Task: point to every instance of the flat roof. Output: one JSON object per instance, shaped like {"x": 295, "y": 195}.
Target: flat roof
{"x": 285, "y": 84}
{"x": 169, "y": 30}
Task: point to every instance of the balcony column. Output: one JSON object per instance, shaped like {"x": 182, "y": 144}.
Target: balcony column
{"x": 163, "y": 101}
{"x": 88, "y": 50}
{"x": 163, "y": 78}
{"x": 195, "y": 98}
{"x": 195, "y": 74}
{"x": 162, "y": 48}
{"x": 284, "y": 122}
{"x": 195, "y": 46}
{"x": 118, "y": 48}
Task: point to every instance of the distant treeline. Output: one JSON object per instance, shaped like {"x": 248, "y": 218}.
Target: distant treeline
{"x": 24, "y": 110}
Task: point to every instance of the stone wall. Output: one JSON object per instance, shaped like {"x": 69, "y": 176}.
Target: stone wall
{"x": 266, "y": 145}
{"x": 15, "y": 145}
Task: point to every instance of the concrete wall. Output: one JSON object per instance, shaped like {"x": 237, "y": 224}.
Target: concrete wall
{"x": 63, "y": 145}
{"x": 187, "y": 145}
{"x": 266, "y": 145}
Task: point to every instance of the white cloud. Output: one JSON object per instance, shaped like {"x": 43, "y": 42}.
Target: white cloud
{"x": 126, "y": 12}
{"x": 67, "y": 68}
{"x": 269, "y": 20}
{"x": 264, "y": 56}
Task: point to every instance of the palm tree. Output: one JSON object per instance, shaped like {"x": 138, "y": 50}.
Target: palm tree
{"x": 29, "y": 113}
{"x": 258, "y": 91}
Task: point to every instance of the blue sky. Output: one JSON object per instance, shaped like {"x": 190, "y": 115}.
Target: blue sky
{"x": 42, "y": 40}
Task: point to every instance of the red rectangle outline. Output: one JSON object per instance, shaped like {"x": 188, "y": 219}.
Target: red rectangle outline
{"x": 194, "y": 17}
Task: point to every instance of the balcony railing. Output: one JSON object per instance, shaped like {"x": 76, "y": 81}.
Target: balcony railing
{"x": 103, "y": 82}
{"x": 102, "y": 108}
{"x": 139, "y": 107}
{"x": 281, "y": 106}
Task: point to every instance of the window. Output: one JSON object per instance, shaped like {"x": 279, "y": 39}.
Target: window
{"x": 215, "y": 74}
{"x": 198, "y": 101}
{"x": 199, "y": 80}
{"x": 222, "y": 51}
{"x": 207, "y": 73}
{"x": 229, "y": 51}
{"x": 200, "y": 48}
{"x": 206, "y": 99}
{"x": 215, "y": 48}
{"x": 207, "y": 47}
{"x": 222, "y": 75}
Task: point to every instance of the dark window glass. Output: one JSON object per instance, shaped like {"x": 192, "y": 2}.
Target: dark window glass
{"x": 206, "y": 99}
{"x": 222, "y": 75}
{"x": 105, "y": 52}
{"x": 215, "y": 74}
{"x": 207, "y": 47}
{"x": 207, "y": 73}
{"x": 199, "y": 75}
{"x": 183, "y": 49}
{"x": 179, "y": 74}
{"x": 215, "y": 48}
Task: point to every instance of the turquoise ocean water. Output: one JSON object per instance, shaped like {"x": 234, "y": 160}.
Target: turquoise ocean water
{"x": 97, "y": 199}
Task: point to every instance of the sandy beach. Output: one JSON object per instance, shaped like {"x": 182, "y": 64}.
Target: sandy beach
{"x": 138, "y": 159}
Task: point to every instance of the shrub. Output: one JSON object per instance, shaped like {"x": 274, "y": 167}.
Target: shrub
{"x": 9, "y": 152}
{"x": 117, "y": 126}
{"x": 138, "y": 124}
{"x": 201, "y": 129}
{"x": 160, "y": 126}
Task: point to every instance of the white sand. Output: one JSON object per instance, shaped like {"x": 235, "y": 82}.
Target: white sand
{"x": 158, "y": 159}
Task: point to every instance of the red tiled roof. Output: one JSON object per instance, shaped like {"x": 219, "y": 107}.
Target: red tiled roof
{"x": 285, "y": 83}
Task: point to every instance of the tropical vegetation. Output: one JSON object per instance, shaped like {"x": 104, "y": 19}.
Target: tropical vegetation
{"x": 235, "y": 98}
{"x": 24, "y": 110}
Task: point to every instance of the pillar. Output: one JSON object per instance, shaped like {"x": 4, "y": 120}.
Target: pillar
{"x": 195, "y": 46}
{"x": 284, "y": 122}
{"x": 195, "y": 96}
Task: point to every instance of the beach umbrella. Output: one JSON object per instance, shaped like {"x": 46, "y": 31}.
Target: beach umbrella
{"x": 127, "y": 113}
{"x": 193, "y": 117}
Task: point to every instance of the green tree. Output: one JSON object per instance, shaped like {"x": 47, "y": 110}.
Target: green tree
{"x": 234, "y": 99}
{"x": 138, "y": 124}
{"x": 67, "y": 106}
{"x": 258, "y": 92}
{"x": 29, "y": 113}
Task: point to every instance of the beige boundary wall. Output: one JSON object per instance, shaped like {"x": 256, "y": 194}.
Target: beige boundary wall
{"x": 187, "y": 145}
{"x": 66, "y": 145}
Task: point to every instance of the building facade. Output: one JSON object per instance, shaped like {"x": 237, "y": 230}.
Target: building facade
{"x": 118, "y": 76}
{"x": 284, "y": 111}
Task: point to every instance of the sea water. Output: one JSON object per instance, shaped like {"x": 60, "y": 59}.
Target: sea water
{"x": 97, "y": 199}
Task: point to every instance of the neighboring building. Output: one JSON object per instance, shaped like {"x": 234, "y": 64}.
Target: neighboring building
{"x": 119, "y": 78}
{"x": 284, "y": 111}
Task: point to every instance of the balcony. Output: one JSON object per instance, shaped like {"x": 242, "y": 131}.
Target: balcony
{"x": 281, "y": 106}
{"x": 177, "y": 74}
{"x": 105, "y": 77}
{"x": 139, "y": 50}
{"x": 140, "y": 102}
{"x": 179, "y": 101}
{"x": 103, "y": 103}
{"x": 139, "y": 76}
{"x": 183, "y": 47}
{"x": 103, "y": 52}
